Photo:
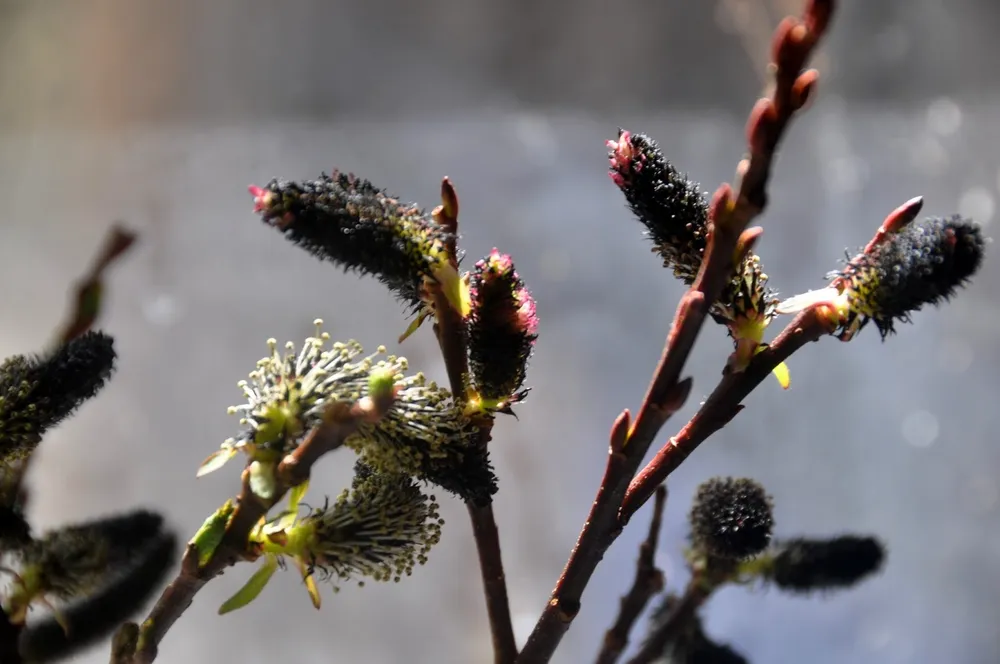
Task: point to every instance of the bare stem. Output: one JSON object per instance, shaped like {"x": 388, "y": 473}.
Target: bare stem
{"x": 723, "y": 405}
{"x": 340, "y": 422}
{"x": 450, "y": 330}
{"x": 729, "y": 216}
{"x": 680, "y": 617}
{"x": 88, "y": 290}
{"x": 648, "y": 581}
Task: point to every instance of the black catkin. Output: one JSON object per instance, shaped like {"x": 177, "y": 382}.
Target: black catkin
{"x": 731, "y": 518}
{"x": 924, "y": 263}
{"x": 352, "y": 223}
{"x": 802, "y": 565}
{"x": 37, "y": 393}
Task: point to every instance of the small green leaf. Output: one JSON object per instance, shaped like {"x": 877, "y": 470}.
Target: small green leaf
{"x": 216, "y": 461}
{"x": 252, "y": 588}
{"x": 784, "y": 377}
{"x": 310, "y": 582}
{"x": 296, "y": 495}
{"x": 415, "y": 324}
{"x": 208, "y": 537}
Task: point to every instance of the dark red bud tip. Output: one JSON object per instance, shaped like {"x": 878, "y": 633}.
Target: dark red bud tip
{"x": 748, "y": 240}
{"x": 449, "y": 198}
{"x": 788, "y": 49}
{"x": 722, "y": 200}
{"x": 804, "y": 88}
{"x": 260, "y": 197}
{"x": 903, "y": 215}
{"x": 818, "y": 15}
{"x": 761, "y": 126}
{"x": 896, "y": 221}
{"x": 620, "y": 431}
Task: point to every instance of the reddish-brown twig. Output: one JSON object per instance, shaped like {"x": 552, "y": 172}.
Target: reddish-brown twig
{"x": 89, "y": 289}
{"x": 648, "y": 581}
{"x": 680, "y": 617}
{"x": 724, "y": 402}
{"x": 729, "y": 216}
{"x": 450, "y": 330}
{"x": 723, "y": 405}
{"x": 140, "y": 646}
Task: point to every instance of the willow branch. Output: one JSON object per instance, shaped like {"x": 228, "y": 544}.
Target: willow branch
{"x": 89, "y": 290}
{"x": 140, "y": 645}
{"x": 729, "y": 216}
{"x": 648, "y": 581}
{"x": 450, "y": 330}
{"x": 680, "y": 617}
{"x": 723, "y": 405}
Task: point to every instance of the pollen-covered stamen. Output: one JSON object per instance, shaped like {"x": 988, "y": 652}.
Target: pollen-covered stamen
{"x": 288, "y": 392}
{"x": 382, "y": 528}
{"x": 426, "y": 435}
{"x": 352, "y": 223}
{"x": 73, "y": 561}
{"x": 503, "y": 328}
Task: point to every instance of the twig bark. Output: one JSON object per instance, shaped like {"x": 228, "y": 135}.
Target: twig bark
{"x": 141, "y": 647}
{"x": 88, "y": 290}
{"x": 450, "y": 330}
{"x": 648, "y": 581}
{"x": 723, "y": 405}
{"x": 683, "y": 612}
{"x": 794, "y": 42}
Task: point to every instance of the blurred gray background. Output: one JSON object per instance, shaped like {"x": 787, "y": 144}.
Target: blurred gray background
{"x": 160, "y": 113}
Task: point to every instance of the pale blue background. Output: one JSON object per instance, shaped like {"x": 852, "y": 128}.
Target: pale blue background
{"x": 160, "y": 113}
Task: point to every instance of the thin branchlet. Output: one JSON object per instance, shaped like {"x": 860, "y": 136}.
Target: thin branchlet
{"x": 427, "y": 435}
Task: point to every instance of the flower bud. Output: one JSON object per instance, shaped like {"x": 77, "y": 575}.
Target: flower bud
{"x": 502, "y": 327}
{"x": 731, "y": 518}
